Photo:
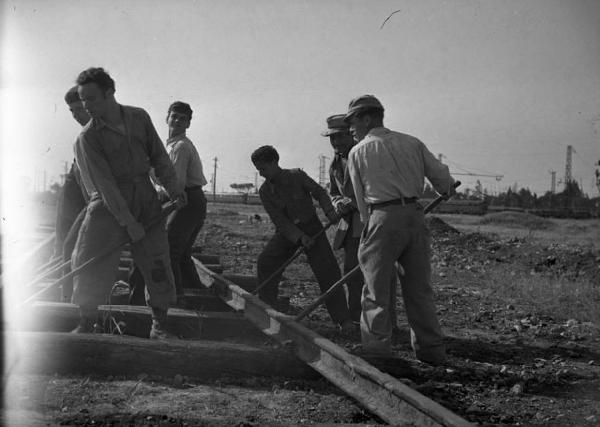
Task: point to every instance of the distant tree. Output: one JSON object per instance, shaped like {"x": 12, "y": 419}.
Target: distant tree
{"x": 244, "y": 188}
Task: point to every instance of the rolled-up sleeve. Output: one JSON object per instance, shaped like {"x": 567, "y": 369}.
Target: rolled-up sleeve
{"x": 357, "y": 185}
{"x": 436, "y": 172}
{"x": 97, "y": 176}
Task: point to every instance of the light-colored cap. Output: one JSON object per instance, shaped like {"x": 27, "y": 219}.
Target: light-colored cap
{"x": 364, "y": 102}
{"x": 336, "y": 124}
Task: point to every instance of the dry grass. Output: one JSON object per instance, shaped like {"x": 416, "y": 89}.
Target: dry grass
{"x": 517, "y": 220}
{"x": 580, "y": 232}
{"x": 556, "y": 297}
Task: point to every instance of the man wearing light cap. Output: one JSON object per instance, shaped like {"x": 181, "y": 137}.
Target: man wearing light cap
{"x": 348, "y": 229}
{"x": 387, "y": 170}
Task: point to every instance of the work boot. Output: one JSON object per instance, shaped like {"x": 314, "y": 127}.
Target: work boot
{"x": 159, "y": 324}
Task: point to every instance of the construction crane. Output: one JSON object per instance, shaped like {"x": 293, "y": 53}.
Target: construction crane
{"x": 497, "y": 177}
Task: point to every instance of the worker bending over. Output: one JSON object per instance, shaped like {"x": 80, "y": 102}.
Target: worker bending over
{"x": 287, "y": 196}
{"x": 115, "y": 152}
{"x": 71, "y": 201}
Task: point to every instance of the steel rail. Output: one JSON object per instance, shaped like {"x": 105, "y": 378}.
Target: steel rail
{"x": 380, "y": 393}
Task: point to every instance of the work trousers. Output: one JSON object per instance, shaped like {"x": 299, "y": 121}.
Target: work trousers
{"x": 355, "y": 282}
{"x": 99, "y": 231}
{"x": 321, "y": 260}
{"x": 398, "y": 233}
{"x": 183, "y": 227}
{"x": 67, "y": 253}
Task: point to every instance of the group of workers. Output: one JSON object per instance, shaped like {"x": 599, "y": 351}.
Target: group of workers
{"x": 376, "y": 178}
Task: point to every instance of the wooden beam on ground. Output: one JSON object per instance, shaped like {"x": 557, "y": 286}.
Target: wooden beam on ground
{"x": 102, "y": 354}
{"x": 381, "y": 393}
{"x": 63, "y": 317}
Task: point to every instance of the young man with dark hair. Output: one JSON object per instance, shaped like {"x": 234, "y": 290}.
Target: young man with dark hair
{"x": 387, "y": 170}
{"x": 115, "y": 152}
{"x": 348, "y": 229}
{"x": 287, "y": 196}
{"x": 71, "y": 200}
{"x": 184, "y": 224}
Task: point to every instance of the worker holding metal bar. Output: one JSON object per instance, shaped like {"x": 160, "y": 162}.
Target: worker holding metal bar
{"x": 115, "y": 152}
{"x": 387, "y": 170}
{"x": 287, "y": 196}
{"x": 184, "y": 224}
{"x": 71, "y": 200}
{"x": 348, "y": 229}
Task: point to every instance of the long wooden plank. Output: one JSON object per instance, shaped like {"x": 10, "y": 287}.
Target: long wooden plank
{"x": 53, "y": 352}
{"x": 381, "y": 393}
{"x": 63, "y": 317}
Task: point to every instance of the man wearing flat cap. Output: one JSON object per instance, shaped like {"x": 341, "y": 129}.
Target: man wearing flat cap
{"x": 347, "y": 232}
{"x": 387, "y": 170}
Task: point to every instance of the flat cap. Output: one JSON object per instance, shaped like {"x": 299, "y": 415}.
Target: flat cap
{"x": 336, "y": 124}
{"x": 364, "y": 102}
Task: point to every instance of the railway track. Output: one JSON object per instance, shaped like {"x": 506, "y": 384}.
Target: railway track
{"x": 224, "y": 328}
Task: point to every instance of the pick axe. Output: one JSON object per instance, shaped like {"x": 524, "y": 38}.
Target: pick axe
{"x": 313, "y": 305}
{"x": 170, "y": 207}
{"x": 289, "y": 261}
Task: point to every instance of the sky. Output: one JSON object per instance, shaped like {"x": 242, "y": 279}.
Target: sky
{"x": 498, "y": 88}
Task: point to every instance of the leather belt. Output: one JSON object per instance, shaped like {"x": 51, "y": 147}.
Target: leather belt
{"x": 399, "y": 201}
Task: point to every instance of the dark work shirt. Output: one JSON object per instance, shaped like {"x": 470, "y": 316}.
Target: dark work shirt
{"x": 288, "y": 199}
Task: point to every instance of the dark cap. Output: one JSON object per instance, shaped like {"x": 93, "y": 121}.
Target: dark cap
{"x": 362, "y": 103}
{"x": 336, "y": 124}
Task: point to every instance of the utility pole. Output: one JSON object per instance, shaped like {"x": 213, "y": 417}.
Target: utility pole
{"x": 256, "y": 182}
{"x": 322, "y": 169}
{"x": 598, "y": 176}
{"x": 568, "y": 164}
{"x": 552, "y": 181}
{"x": 214, "y": 180}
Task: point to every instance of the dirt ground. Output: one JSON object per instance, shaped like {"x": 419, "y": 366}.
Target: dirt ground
{"x": 518, "y": 299}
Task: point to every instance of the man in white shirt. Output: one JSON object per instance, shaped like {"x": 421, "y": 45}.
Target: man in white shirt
{"x": 184, "y": 224}
{"x": 387, "y": 170}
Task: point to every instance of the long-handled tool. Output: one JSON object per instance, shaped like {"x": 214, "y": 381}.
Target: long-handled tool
{"x": 312, "y": 306}
{"x": 165, "y": 212}
{"x": 289, "y": 261}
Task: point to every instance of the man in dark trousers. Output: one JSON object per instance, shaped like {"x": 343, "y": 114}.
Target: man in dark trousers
{"x": 387, "y": 170}
{"x": 115, "y": 152}
{"x": 184, "y": 224}
{"x": 287, "y": 196}
{"x": 71, "y": 201}
{"x": 348, "y": 229}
